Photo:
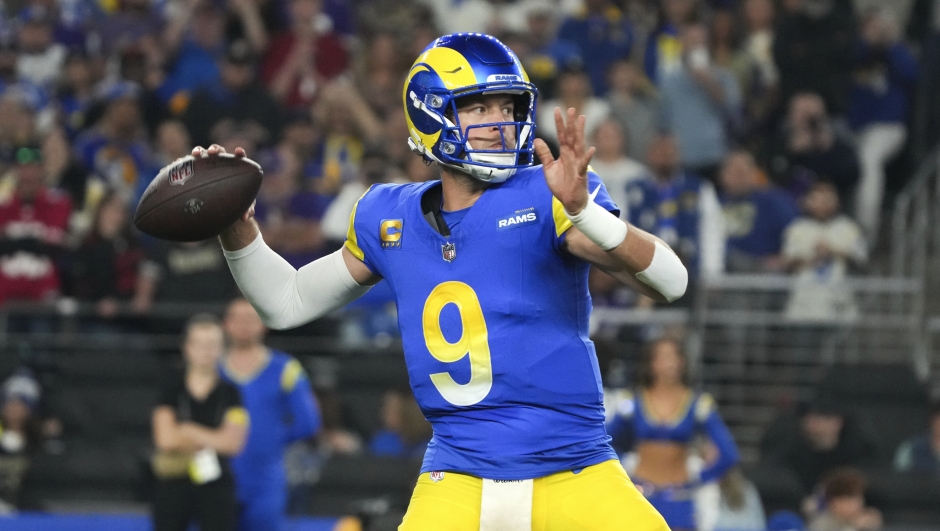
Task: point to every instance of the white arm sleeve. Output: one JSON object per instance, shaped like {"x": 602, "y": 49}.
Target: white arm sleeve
{"x": 285, "y": 297}
{"x": 665, "y": 274}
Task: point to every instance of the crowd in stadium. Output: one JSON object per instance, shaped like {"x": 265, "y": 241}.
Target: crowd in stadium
{"x": 750, "y": 135}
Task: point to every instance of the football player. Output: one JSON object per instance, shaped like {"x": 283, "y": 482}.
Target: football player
{"x": 489, "y": 269}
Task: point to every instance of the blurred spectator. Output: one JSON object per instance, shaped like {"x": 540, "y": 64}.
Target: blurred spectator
{"x": 33, "y": 224}
{"x": 104, "y": 267}
{"x": 679, "y": 207}
{"x": 731, "y": 504}
{"x": 821, "y": 248}
{"x": 246, "y": 20}
{"x": 616, "y": 169}
{"x": 757, "y": 72}
{"x": 18, "y": 117}
{"x": 922, "y": 453}
{"x": 40, "y": 58}
{"x": 453, "y": 16}
{"x": 75, "y": 93}
{"x": 349, "y": 125}
{"x": 142, "y": 66}
{"x": 809, "y": 149}
{"x": 374, "y": 169}
{"x": 116, "y": 149}
{"x": 199, "y": 423}
{"x": 574, "y": 90}
{"x": 404, "y": 432}
{"x": 379, "y": 71}
{"x": 723, "y": 43}
{"x": 300, "y": 60}
{"x": 603, "y": 34}
{"x": 546, "y": 54}
{"x": 19, "y": 434}
{"x": 172, "y": 142}
{"x": 844, "y": 493}
{"x": 700, "y": 99}
{"x": 755, "y": 216}
{"x": 813, "y": 49}
{"x": 235, "y": 96}
{"x": 279, "y": 399}
{"x": 128, "y": 24}
{"x": 635, "y": 104}
{"x": 288, "y": 214}
{"x": 194, "y": 273}
{"x": 885, "y": 75}
{"x": 663, "y": 48}
{"x": 194, "y": 41}
{"x": 822, "y": 439}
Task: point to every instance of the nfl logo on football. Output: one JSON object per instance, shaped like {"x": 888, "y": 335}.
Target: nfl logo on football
{"x": 181, "y": 172}
{"x": 449, "y": 251}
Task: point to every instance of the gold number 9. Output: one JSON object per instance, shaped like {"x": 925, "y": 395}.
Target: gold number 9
{"x": 473, "y": 341}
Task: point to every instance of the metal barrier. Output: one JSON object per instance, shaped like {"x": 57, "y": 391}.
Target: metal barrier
{"x": 751, "y": 354}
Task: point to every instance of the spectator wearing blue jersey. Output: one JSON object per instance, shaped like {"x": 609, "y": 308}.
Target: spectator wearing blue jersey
{"x": 755, "y": 216}
{"x": 547, "y": 55}
{"x": 663, "y": 48}
{"x": 279, "y": 399}
{"x": 699, "y": 101}
{"x": 116, "y": 149}
{"x": 659, "y": 422}
{"x": 603, "y": 34}
{"x": 679, "y": 207}
{"x": 879, "y": 101}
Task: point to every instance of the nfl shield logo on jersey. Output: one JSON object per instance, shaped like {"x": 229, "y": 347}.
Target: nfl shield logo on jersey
{"x": 436, "y": 476}
{"x": 449, "y": 251}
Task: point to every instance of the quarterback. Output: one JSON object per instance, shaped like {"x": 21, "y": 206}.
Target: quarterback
{"x": 489, "y": 268}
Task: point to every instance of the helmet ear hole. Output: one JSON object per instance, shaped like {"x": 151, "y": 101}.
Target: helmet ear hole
{"x": 520, "y": 106}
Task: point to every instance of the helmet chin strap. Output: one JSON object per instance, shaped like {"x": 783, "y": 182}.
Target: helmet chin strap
{"x": 482, "y": 173}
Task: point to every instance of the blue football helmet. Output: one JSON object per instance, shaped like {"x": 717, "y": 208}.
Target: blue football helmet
{"x": 459, "y": 65}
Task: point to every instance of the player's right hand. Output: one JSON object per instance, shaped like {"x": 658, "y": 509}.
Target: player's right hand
{"x": 216, "y": 149}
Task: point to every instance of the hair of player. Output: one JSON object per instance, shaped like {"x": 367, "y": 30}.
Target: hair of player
{"x": 645, "y": 376}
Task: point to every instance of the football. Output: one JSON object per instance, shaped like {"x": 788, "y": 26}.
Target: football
{"x": 196, "y": 198}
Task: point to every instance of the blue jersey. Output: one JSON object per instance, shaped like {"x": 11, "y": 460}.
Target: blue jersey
{"x": 494, "y": 323}
{"x": 282, "y": 409}
{"x": 634, "y": 421}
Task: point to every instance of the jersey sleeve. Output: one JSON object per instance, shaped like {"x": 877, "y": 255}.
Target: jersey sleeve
{"x": 301, "y": 404}
{"x": 358, "y": 241}
{"x": 706, "y": 415}
{"x": 598, "y": 192}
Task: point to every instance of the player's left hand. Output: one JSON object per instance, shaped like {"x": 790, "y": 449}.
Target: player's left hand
{"x": 567, "y": 176}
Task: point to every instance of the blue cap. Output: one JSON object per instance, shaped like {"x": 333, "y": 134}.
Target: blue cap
{"x": 785, "y": 521}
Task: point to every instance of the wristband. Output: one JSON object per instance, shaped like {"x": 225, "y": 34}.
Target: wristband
{"x": 599, "y": 225}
